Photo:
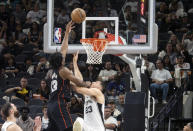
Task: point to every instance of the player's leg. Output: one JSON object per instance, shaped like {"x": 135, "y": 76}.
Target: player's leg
{"x": 59, "y": 114}
{"x": 78, "y": 124}
{"x": 69, "y": 129}
{"x": 52, "y": 123}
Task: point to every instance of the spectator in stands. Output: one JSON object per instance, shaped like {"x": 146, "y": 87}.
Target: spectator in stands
{"x": 121, "y": 103}
{"x": 112, "y": 93}
{"x": 19, "y": 13}
{"x": 175, "y": 5}
{"x": 25, "y": 121}
{"x": 23, "y": 91}
{"x": 181, "y": 64}
{"x": 125, "y": 77}
{"x": 160, "y": 80}
{"x": 44, "y": 90}
{"x": 11, "y": 69}
{"x": 120, "y": 107}
{"x": 120, "y": 122}
{"x": 109, "y": 121}
{"x": 35, "y": 14}
{"x": 9, "y": 113}
{"x": 118, "y": 68}
{"x": 45, "y": 119}
{"x": 3, "y": 30}
{"x": 184, "y": 24}
{"x": 170, "y": 23}
{"x": 133, "y": 4}
{"x": 90, "y": 74}
{"x": 62, "y": 18}
{"x": 28, "y": 66}
{"x": 111, "y": 12}
{"x": 167, "y": 64}
{"x": 170, "y": 52}
{"x": 180, "y": 74}
{"x": 181, "y": 51}
{"x": 2, "y": 74}
{"x": 87, "y": 7}
{"x": 114, "y": 111}
{"x": 4, "y": 14}
{"x": 43, "y": 64}
{"x": 148, "y": 65}
{"x": 128, "y": 14}
{"x": 27, "y": 4}
{"x": 11, "y": 24}
{"x": 188, "y": 127}
{"x": 72, "y": 37}
{"x": 19, "y": 36}
{"x": 187, "y": 41}
{"x": 37, "y": 124}
{"x": 75, "y": 106}
{"x": 15, "y": 47}
{"x": 173, "y": 40}
{"x": 42, "y": 4}
{"x": 108, "y": 74}
{"x": 162, "y": 12}
{"x": 35, "y": 35}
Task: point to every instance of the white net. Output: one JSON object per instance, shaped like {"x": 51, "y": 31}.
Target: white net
{"x": 95, "y": 51}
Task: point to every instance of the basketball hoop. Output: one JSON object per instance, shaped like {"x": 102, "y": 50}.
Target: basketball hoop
{"x": 95, "y": 48}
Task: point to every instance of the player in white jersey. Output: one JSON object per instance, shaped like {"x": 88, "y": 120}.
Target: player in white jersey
{"x": 9, "y": 111}
{"x": 93, "y": 107}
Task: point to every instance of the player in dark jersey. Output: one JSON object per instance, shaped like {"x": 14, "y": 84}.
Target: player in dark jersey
{"x": 59, "y": 116}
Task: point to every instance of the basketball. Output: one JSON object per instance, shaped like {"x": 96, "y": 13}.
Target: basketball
{"x": 78, "y": 15}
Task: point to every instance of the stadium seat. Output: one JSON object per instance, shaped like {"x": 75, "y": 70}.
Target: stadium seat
{"x": 39, "y": 75}
{"x": 2, "y": 101}
{"x": 34, "y": 81}
{"x": 19, "y": 59}
{"x": 28, "y": 49}
{"x": 7, "y": 87}
{"x": 1, "y": 120}
{"x": 2, "y": 83}
{"x": 13, "y": 81}
{"x": 36, "y": 102}
{"x": 18, "y": 102}
{"x": 164, "y": 36}
{"x": 23, "y": 74}
{"x": 35, "y": 110}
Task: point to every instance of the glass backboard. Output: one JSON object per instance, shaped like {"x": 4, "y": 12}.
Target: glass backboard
{"x": 138, "y": 29}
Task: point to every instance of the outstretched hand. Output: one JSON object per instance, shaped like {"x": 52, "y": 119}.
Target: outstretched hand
{"x": 69, "y": 26}
{"x": 75, "y": 57}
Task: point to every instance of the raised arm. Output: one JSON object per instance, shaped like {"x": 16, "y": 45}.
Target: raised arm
{"x": 77, "y": 72}
{"x": 64, "y": 46}
{"x": 10, "y": 90}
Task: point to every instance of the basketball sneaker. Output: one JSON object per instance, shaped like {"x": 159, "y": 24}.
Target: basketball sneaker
{"x": 78, "y": 124}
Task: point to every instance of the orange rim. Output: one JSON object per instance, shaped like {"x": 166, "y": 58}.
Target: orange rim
{"x": 98, "y": 44}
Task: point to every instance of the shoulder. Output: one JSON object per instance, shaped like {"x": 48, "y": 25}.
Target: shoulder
{"x": 28, "y": 88}
{"x": 112, "y": 119}
{"x": 165, "y": 70}
{"x": 101, "y": 71}
{"x": 155, "y": 71}
{"x": 96, "y": 91}
{"x": 113, "y": 71}
{"x": 14, "y": 127}
{"x": 63, "y": 69}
